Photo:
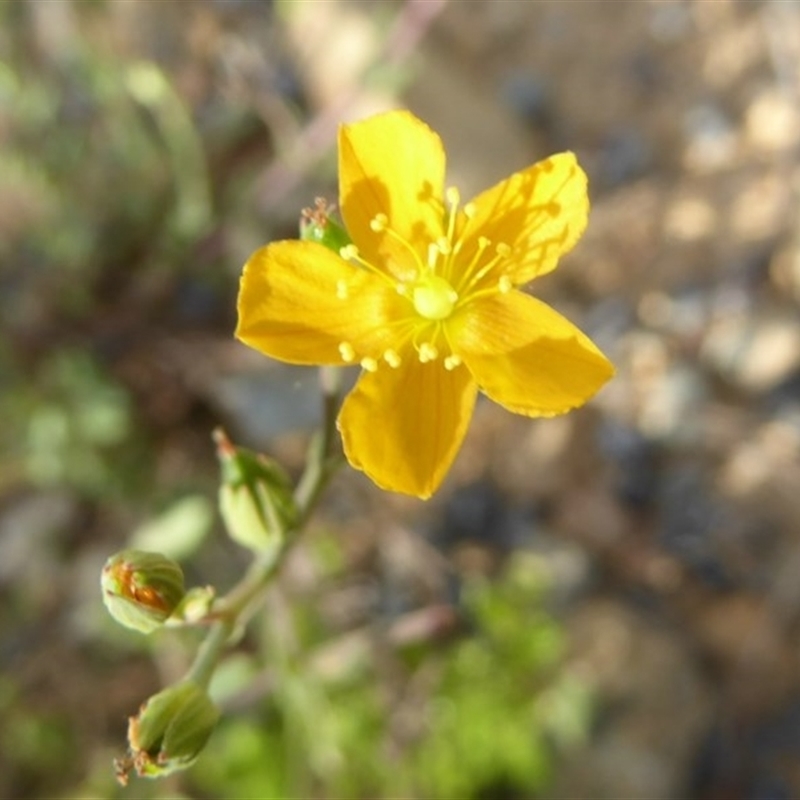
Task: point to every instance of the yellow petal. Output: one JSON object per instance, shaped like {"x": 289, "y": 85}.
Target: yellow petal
{"x": 299, "y": 302}
{"x": 527, "y": 357}
{"x": 539, "y": 213}
{"x": 392, "y": 164}
{"x": 403, "y": 427}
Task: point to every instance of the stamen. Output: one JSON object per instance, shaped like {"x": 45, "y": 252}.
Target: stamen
{"x": 433, "y": 255}
{"x": 346, "y": 352}
{"x": 369, "y": 364}
{"x": 350, "y": 253}
{"x": 392, "y": 359}
{"x": 468, "y": 279}
{"x": 504, "y": 285}
{"x": 453, "y": 198}
{"x": 402, "y": 289}
{"x": 444, "y": 246}
{"x": 427, "y": 352}
{"x": 455, "y": 241}
{"x": 451, "y": 362}
{"x": 341, "y": 289}
{"x": 378, "y": 223}
{"x": 502, "y": 251}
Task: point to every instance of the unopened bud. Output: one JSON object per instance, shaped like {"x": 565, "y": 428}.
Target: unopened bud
{"x": 316, "y": 225}
{"x": 255, "y": 498}
{"x": 169, "y": 731}
{"x": 196, "y": 606}
{"x": 141, "y": 590}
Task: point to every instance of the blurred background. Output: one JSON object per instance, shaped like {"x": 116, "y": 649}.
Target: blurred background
{"x": 603, "y": 605}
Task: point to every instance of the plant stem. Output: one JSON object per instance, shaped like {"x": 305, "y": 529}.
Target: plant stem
{"x": 211, "y": 648}
{"x": 233, "y": 609}
{"x": 322, "y": 459}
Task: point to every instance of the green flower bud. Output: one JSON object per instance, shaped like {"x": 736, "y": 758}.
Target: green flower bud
{"x": 141, "y": 590}
{"x": 255, "y": 498}
{"x": 169, "y": 731}
{"x": 316, "y": 225}
{"x": 196, "y": 606}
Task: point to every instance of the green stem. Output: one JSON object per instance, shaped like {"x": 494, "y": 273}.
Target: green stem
{"x": 233, "y": 608}
{"x": 322, "y": 459}
{"x": 211, "y": 648}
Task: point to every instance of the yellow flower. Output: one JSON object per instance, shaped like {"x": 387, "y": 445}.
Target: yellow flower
{"x": 425, "y": 300}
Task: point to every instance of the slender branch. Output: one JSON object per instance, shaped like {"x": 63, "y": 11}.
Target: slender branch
{"x": 211, "y": 648}
{"x": 323, "y": 458}
{"x": 234, "y": 608}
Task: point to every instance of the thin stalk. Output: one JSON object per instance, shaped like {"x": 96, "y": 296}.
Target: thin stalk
{"x": 234, "y": 608}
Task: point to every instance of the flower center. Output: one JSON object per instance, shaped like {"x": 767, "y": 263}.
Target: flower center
{"x": 435, "y": 283}
{"x": 434, "y": 298}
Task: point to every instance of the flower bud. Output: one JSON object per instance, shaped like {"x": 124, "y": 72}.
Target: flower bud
{"x": 141, "y": 590}
{"x": 316, "y": 225}
{"x": 255, "y": 498}
{"x": 169, "y": 731}
{"x": 196, "y": 606}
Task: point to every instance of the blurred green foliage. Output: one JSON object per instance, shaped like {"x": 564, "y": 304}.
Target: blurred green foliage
{"x": 105, "y": 165}
{"x": 33, "y": 738}
{"x": 88, "y": 180}
{"x": 492, "y": 718}
{"x": 76, "y": 421}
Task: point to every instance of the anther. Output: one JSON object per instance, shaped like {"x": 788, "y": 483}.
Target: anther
{"x": 346, "y": 352}
{"x": 369, "y": 364}
{"x": 378, "y": 223}
{"x": 341, "y": 289}
{"x": 392, "y": 359}
{"x": 504, "y": 284}
{"x": 452, "y": 195}
{"x": 348, "y": 251}
{"x": 443, "y": 246}
{"x": 451, "y": 362}
{"x": 427, "y": 352}
{"x": 483, "y": 242}
{"x": 470, "y": 210}
{"x": 503, "y": 250}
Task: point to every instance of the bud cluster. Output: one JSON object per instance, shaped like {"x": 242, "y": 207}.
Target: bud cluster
{"x": 144, "y": 590}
